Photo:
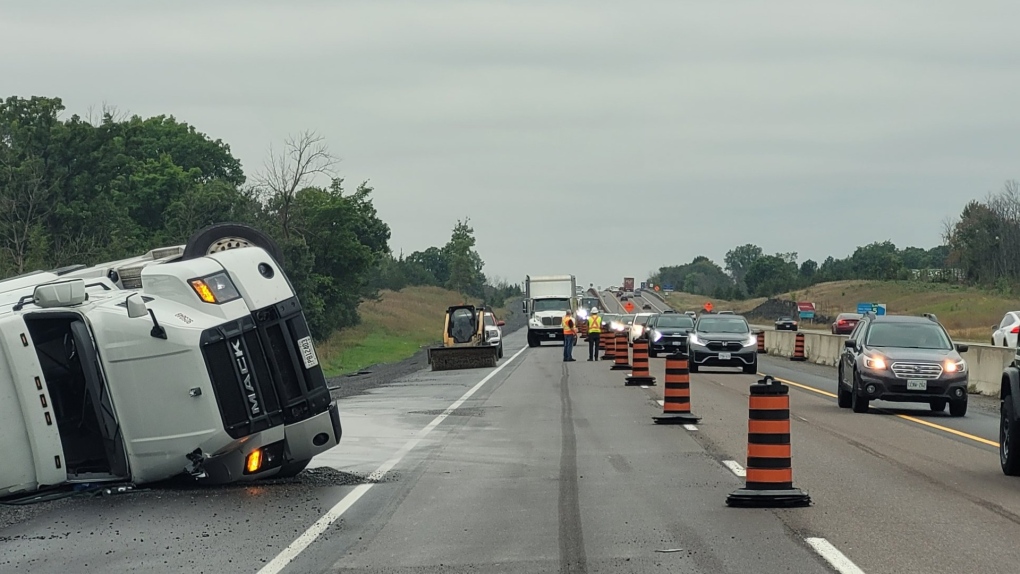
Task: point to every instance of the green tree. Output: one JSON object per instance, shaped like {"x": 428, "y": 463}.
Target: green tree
{"x": 770, "y": 275}
{"x": 465, "y": 264}
{"x": 878, "y": 260}
{"x": 739, "y": 259}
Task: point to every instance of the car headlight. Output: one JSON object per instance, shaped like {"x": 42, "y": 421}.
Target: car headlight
{"x": 582, "y": 314}
{"x": 694, "y": 340}
{"x": 875, "y": 362}
{"x": 656, "y": 336}
{"x": 751, "y": 341}
{"x": 951, "y": 366}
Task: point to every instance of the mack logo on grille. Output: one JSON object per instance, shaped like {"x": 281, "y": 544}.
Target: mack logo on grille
{"x": 242, "y": 367}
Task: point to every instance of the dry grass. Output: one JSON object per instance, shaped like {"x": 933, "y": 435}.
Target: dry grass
{"x": 689, "y": 302}
{"x": 392, "y": 328}
{"x": 967, "y": 312}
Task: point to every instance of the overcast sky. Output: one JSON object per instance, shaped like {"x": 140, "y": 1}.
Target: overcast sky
{"x": 588, "y": 137}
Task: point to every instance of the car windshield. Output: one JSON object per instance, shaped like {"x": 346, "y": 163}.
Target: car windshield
{"x": 641, "y": 319}
{"x": 908, "y": 335}
{"x": 490, "y": 320}
{"x": 786, "y": 318}
{"x": 674, "y": 321}
{"x": 720, "y": 325}
{"x": 552, "y": 305}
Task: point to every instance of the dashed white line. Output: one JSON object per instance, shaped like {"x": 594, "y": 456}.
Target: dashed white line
{"x": 735, "y": 467}
{"x": 833, "y": 556}
{"x": 644, "y": 386}
{"x": 333, "y": 514}
{"x": 691, "y": 427}
{"x": 661, "y": 403}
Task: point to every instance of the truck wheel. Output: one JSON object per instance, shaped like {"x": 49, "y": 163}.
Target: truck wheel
{"x": 937, "y": 405}
{"x": 532, "y": 341}
{"x": 1009, "y": 435}
{"x": 957, "y": 408}
{"x": 223, "y": 236}
{"x": 291, "y": 469}
{"x": 858, "y": 403}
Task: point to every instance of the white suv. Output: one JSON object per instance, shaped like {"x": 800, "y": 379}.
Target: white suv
{"x": 494, "y": 333}
{"x": 637, "y": 329}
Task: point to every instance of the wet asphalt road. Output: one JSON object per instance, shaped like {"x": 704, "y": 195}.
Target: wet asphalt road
{"x": 553, "y": 467}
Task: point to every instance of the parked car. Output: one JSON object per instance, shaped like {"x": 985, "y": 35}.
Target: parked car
{"x": 668, "y": 332}
{"x": 903, "y": 359}
{"x": 637, "y": 329}
{"x": 494, "y": 333}
{"x": 722, "y": 341}
{"x": 845, "y": 323}
{"x": 1005, "y": 333}
{"x": 786, "y": 324}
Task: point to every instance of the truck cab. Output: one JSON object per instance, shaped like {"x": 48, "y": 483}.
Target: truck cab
{"x": 199, "y": 366}
{"x": 547, "y": 300}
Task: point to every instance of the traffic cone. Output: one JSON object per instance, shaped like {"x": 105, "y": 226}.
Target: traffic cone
{"x": 620, "y": 352}
{"x": 769, "y": 477}
{"x": 761, "y": 342}
{"x": 640, "y": 375}
{"x": 676, "y": 396}
{"x": 798, "y": 348}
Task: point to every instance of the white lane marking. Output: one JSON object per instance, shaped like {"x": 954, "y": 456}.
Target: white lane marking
{"x": 644, "y": 386}
{"x": 661, "y": 403}
{"x": 333, "y": 514}
{"x": 735, "y": 467}
{"x": 833, "y": 556}
{"x": 691, "y": 427}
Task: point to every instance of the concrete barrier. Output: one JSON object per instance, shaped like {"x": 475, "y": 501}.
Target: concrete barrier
{"x": 984, "y": 361}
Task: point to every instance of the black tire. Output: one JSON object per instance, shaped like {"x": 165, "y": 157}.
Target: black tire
{"x": 937, "y": 405}
{"x": 1009, "y": 438}
{"x": 532, "y": 341}
{"x": 691, "y": 367}
{"x": 993, "y": 341}
{"x": 653, "y": 354}
{"x": 500, "y": 350}
{"x": 291, "y": 469}
{"x": 751, "y": 369}
{"x": 843, "y": 398}
{"x": 858, "y": 403}
{"x": 958, "y": 408}
{"x": 205, "y": 239}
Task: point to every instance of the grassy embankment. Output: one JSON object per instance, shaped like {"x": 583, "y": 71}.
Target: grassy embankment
{"x": 392, "y": 329}
{"x": 967, "y": 312}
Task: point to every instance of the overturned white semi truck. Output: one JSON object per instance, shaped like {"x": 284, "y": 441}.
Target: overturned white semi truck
{"x": 191, "y": 360}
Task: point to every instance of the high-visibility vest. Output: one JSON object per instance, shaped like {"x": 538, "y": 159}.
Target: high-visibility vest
{"x": 594, "y": 324}
{"x": 568, "y": 325}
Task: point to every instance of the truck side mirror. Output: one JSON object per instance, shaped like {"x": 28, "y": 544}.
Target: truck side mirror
{"x": 136, "y": 306}
{"x": 524, "y": 307}
{"x": 60, "y": 294}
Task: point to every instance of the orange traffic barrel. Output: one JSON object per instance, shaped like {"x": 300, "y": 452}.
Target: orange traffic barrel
{"x": 676, "y": 396}
{"x": 798, "y": 349}
{"x": 620, "y": 352}
{"x": 584, "y": 328}
{"x": 607, "y": 341}
{"x": 640, "y": 375}
{"x": 769, "y": 476}
{"x": 761, "y": 341}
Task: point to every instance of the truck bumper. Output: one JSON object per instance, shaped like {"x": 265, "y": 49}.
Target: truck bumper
{"x": 313, "y": 436}
{"x": 546, "y": 334}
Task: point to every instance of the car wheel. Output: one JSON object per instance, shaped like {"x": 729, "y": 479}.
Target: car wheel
{"x": 842, "y": 395}
{"x": 958, "y": 408}
{"x": 858, "y": 403}
{"x": 750, "y": 369}
{"x": 653, "y": 354}
{"x": 691, "y": 365}
{"x": 937, "y": 405}
{"x": 501, "y": 350}
{"x": 1009, "y": 457}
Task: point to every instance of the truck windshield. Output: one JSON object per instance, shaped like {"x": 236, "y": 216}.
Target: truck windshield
{"x": 552, "y": 305}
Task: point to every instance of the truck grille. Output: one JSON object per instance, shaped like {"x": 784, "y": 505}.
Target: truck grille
{"x": 303, "y": 392}
{"x": 917, "y": 370}
{"x": 241, "y": 378}
{"x": 551, "y": 321}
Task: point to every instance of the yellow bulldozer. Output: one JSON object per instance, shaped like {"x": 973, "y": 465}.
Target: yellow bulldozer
{"x": 464, "y": 343}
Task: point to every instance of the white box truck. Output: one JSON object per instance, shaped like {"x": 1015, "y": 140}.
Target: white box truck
{"x": 192, "y": 360}
{"x": 547, "y": 300}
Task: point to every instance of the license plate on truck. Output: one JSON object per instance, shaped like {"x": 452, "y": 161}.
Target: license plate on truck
{"x": 307, "y": 352}
{"x": 917, "y": 385}
{"x": 724, "y": 356}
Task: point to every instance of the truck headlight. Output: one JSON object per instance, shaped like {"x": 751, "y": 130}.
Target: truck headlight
{"x": 216, "y": 288}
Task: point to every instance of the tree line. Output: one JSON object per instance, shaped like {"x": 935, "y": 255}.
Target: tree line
{"x": 984, "y": 242}
{"x": 105, "y": 187}
{"x": 749, "y": 272}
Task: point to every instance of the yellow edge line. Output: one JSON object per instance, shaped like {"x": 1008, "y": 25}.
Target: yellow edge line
{"x": 904, "y": 417}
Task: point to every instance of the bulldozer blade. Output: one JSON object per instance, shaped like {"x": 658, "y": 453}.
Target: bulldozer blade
{"x": 450, "y": 358}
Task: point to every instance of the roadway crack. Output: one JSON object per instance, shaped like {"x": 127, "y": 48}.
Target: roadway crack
{"x": 571, "y": 538}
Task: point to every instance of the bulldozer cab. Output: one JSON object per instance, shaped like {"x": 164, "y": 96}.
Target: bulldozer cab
{"x": 464, "y": 326}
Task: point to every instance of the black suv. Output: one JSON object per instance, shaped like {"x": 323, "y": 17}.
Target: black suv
{"x": 668, "y": 332}
{"x": 723, "y": 341}
{"x": 903, "y": 359}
